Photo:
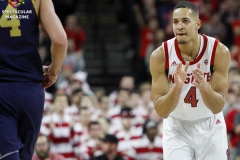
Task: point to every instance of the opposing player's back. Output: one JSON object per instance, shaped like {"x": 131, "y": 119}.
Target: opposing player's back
{"x": 19, "y": 58}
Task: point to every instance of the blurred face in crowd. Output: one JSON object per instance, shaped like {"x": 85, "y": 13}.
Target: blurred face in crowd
{"x": 60, "y": 103}
{"x": 86, "y": 102}
{"x": 85, "y": 116}
{"x": 67, "y": 71}
{"x": 134, "y": 100}
{"x": 232, "y": 98}
{"x": 76, "y": 97}
{"x": 95, "y": 131}
{"x": 127, "y": 82}
{"x": 104, "y": 104}
{"x": 185, "y": 25}
{"x": 153, "y": 24}
{"x": 123, "y": 97}
{"x": 146, "y": 97}
{"x": 151, "y": 133}
{"x": 71, "y": 22}
{"x": 149, "y": 2}
{"x": 108, "y": 147}
{"x": 160, "y": 36}
{"x": 127, "y": 122}
{"x": 104, "y": 124}
{"x": 42, "y": 147}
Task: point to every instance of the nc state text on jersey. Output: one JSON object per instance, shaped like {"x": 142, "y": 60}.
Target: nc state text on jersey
{"x": 190, "y": 78}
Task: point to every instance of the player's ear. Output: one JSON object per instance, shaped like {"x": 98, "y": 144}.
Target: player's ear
{"x": 199, "y": 23}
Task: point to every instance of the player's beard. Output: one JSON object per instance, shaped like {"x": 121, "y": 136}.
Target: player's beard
{"x": 182, "y": 42}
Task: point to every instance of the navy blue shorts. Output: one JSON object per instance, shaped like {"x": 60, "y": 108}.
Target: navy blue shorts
{"x": 21, "y": 109}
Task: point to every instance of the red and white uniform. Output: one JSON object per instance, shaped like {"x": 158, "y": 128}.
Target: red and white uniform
{"x": 191, "y": 105}
{"x": 192, "y": 131}
{"x": 143, "y": 149}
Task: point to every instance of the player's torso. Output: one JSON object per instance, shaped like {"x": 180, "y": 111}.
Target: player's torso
{"x": 19, "y": 36}
{"x": 191, "y": 106}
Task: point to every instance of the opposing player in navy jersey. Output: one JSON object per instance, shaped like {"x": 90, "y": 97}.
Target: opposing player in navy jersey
{"x": 189, "y": 87}
{"x": 22, "y": 77}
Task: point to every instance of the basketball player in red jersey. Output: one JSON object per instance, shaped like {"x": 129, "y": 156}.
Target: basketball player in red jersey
{"x": 22, "y": 77}
{"x": 189, "y": 87}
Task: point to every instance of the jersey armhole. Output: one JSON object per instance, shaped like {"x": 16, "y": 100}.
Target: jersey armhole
{"x": 35, "y": 7}
{"x": 213, "y": 55}
{"x": 165, "y": 49}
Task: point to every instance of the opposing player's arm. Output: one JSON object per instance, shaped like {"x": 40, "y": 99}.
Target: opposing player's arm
{"x": 214, "y": 97}
{"x": 165, "y": 99}
{"x": 54, "y": 28}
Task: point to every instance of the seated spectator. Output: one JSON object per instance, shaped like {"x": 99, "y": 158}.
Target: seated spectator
{"x": 58, "y": 127}
{"x": 109, "y": 149}
{"x": 42, "y": 150}
{"x": 149, "y": 147}
{"x": 128, "y": 133}
{"x": 92, "y": 146}
{"x": 126, "y": 82}
{"x": 121, "y": 101}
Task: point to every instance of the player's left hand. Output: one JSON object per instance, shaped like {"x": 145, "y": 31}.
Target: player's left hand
{"x": 50, "y": 77}
{"x": 199, "y": 80}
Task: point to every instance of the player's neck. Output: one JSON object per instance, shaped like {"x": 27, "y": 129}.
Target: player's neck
{"x": 189, "y": 51}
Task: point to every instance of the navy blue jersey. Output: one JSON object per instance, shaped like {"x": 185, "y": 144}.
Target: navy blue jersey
{"x": 19, "y": 38}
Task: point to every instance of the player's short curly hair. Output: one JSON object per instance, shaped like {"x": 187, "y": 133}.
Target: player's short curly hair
{"x": 189, "y": 5}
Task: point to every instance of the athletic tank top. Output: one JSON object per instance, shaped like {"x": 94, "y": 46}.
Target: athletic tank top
{"x": 19, "y": 37}
{"x": 190, "y": 106}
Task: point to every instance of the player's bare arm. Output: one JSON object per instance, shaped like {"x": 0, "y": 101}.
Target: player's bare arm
{"x": 165, "y": 99}
{"x": 214, "y": 94}
{"x": 53, "y": 26}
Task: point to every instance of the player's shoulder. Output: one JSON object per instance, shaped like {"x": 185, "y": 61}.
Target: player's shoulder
{"x": 222, "y": 56}
{"x": 158, "y": 53}
{"x": 221, "y": 49}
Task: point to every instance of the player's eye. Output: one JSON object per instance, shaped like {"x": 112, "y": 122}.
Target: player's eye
{"x": 175, "y": 22}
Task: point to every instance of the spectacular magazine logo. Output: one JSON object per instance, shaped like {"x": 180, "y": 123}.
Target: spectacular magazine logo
{"x": 16, "y": 3}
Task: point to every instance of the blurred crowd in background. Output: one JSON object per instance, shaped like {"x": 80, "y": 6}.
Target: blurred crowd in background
{"x": 78, "y": 116}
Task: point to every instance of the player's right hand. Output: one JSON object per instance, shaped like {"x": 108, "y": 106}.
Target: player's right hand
{"x": 180, "y": 75}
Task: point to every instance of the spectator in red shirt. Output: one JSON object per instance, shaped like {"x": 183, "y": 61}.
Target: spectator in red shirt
{"x": 75, "y": 32}
{"x": 42, "y": 150}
